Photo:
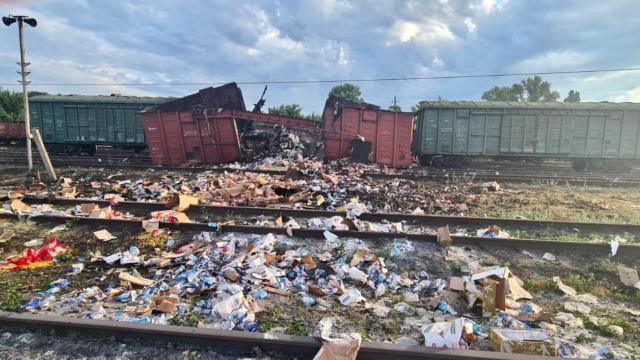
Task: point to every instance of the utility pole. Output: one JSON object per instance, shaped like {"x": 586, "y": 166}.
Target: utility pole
{"x": 21, "y": 19}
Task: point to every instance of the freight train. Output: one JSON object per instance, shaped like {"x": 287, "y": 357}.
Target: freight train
{"x": 591, "y": 135}
{"x": 77, "y": 124}
{"x": 594, "y": 135}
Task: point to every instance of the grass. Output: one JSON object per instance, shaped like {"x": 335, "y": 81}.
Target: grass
{"x": 10, "y": 295}
{"x": 586, "y": 284}
{"x": 152, "y": 241}
{"x": 296, "y": 325}
{"x": 341, "y": 251}
{"x": 542, "y": 202}
{"x": 541, "y": 285}
{"x": 271, "y": 320}
{"x": 603, "y": 328}
{"x": 192, "y": 318}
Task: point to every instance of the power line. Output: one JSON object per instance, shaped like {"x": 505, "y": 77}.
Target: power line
{"x": 408, "y": 78}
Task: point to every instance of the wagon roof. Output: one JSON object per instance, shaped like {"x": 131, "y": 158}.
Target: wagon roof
{"x": 532, "y": 105}
{"x": 100, "y": 99}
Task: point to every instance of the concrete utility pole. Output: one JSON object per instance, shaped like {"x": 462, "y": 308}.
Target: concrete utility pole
{"x": 21, "y": 19}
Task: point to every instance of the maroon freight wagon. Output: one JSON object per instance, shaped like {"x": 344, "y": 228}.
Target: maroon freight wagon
{"x": 201, "y": 128}
{"x": 184, "y": 130}
{"x": 389, "y": 132}
{"x": 10, "y": 131}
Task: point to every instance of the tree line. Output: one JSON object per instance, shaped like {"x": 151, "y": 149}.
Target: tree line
{"x": 533, "y": 89}
{"x": 530, "y": 89}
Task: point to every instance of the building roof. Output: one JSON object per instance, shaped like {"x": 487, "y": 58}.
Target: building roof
{"x": 101, "y": 99}
{"x": 604, "y": 105}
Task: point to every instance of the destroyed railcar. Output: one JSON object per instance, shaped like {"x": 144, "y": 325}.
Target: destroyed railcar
{"x": 387, "y": 134}
{"x": 182, "y": 130}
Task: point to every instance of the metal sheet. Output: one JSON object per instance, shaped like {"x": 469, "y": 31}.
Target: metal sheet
{"x": 390, "y": 133}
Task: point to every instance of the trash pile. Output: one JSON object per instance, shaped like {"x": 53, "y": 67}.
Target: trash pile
{"x": 327, "y": 191}
{"x": 229, "y": 281}
{"x": 272, "y": 143}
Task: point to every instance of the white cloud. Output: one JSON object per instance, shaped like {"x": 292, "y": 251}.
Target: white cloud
{"x": 471, "y": 26}
{"x": 489, "y": 6}
{"x": 429, "y": 32}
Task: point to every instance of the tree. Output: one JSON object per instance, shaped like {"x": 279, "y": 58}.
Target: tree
{"x": 574, "y": 96}
{"x": 538, "y": 90}
{"x": 415, "y": 108}
{"x": 37, "y": 93}
{"x": 347, "y": 91}
{"x": 396, "y": 108}
{"x": 314, "y": 117}
{"x": 531, "y": 89}
{"x": 11, "y": 106}
{"x": 291, "y": 110}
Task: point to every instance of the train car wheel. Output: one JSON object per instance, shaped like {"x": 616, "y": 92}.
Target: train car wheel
{"x": 579, "y": 164}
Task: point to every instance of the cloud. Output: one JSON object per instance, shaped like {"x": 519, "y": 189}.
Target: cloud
{"x": 430, "y": 32}
{"x": 251, "y": 40}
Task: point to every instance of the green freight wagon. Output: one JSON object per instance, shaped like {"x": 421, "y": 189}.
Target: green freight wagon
{"x": 590, "y": 134}
{"x": 75, "y": 123}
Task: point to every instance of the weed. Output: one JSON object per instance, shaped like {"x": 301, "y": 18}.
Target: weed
{"x": 270, "y": 320}
{"x": 10, "y": 295}
{"x": 390, "y": 329}
{"x": 152, "y": 240}
{"x": 455, "y": 267}
{"x": 603, "y": 327}
{"x": 64, "y": 257}
{"x": 341, "y": 251}
{"x": 541, "y": 285}
{"x": 192, "y": 318}
{"x": 70, "y": 223}
{"x": 583, "y": 284}
{"x": 296, "y": 325}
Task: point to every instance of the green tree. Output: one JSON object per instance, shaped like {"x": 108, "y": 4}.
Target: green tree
{"x": 11, "y": 106}
{"x": 415, "y": 108}
{"x": 291, "y": 110}
{"x": 531, "y": 89}
{"x": 396, "y": 108}
{"x": 574, "y": 96}
{"x": 37, "y": 93}
{"x": 347, "y": 91}
{"x": 314, "y": 117}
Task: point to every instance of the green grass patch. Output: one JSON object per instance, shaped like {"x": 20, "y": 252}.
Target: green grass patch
{"x": 271, "y": 320}
{"x": 296, "y": 325}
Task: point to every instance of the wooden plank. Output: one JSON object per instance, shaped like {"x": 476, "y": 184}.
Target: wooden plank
{"x": 44, "y": 154}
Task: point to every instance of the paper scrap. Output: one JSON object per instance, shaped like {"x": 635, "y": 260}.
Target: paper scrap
{"x": 629, "y": 276}
{"x": 103, "y": 235}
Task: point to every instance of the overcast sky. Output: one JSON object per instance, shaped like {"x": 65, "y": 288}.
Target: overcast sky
{"x": 160, "y": 41}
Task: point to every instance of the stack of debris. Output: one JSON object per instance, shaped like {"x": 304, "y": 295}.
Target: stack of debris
{"x": 277, "y": 142}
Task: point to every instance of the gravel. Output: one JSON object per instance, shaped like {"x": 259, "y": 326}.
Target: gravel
{"x": 45, "y": 344}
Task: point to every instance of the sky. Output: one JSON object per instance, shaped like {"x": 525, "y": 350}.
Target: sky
{"x": 167, "y": 41}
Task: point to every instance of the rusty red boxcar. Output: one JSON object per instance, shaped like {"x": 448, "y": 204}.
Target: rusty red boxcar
{"x": 184, "y": 130}
{"x": 389, "y": 132}
{"x": 11, "y": 131}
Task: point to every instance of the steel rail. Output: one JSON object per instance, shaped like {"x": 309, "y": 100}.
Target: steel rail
{"x": 304, "y": 346}
{"x": 144, "y": 208}
{"x": 578, "y": 180}
{"x": 602, "y": 249}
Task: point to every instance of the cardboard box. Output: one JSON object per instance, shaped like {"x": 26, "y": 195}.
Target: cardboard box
{"x": 532, "y": 342}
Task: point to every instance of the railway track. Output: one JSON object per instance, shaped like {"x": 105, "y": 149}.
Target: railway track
{"x": 304, "y": 347}
{"x": 198, "y": 211}
{"x": 504, "y": 173}
{"x": 598, "y": 249}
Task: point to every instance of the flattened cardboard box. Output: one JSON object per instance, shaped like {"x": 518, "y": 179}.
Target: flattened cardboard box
{"x": 532, "y": 342}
